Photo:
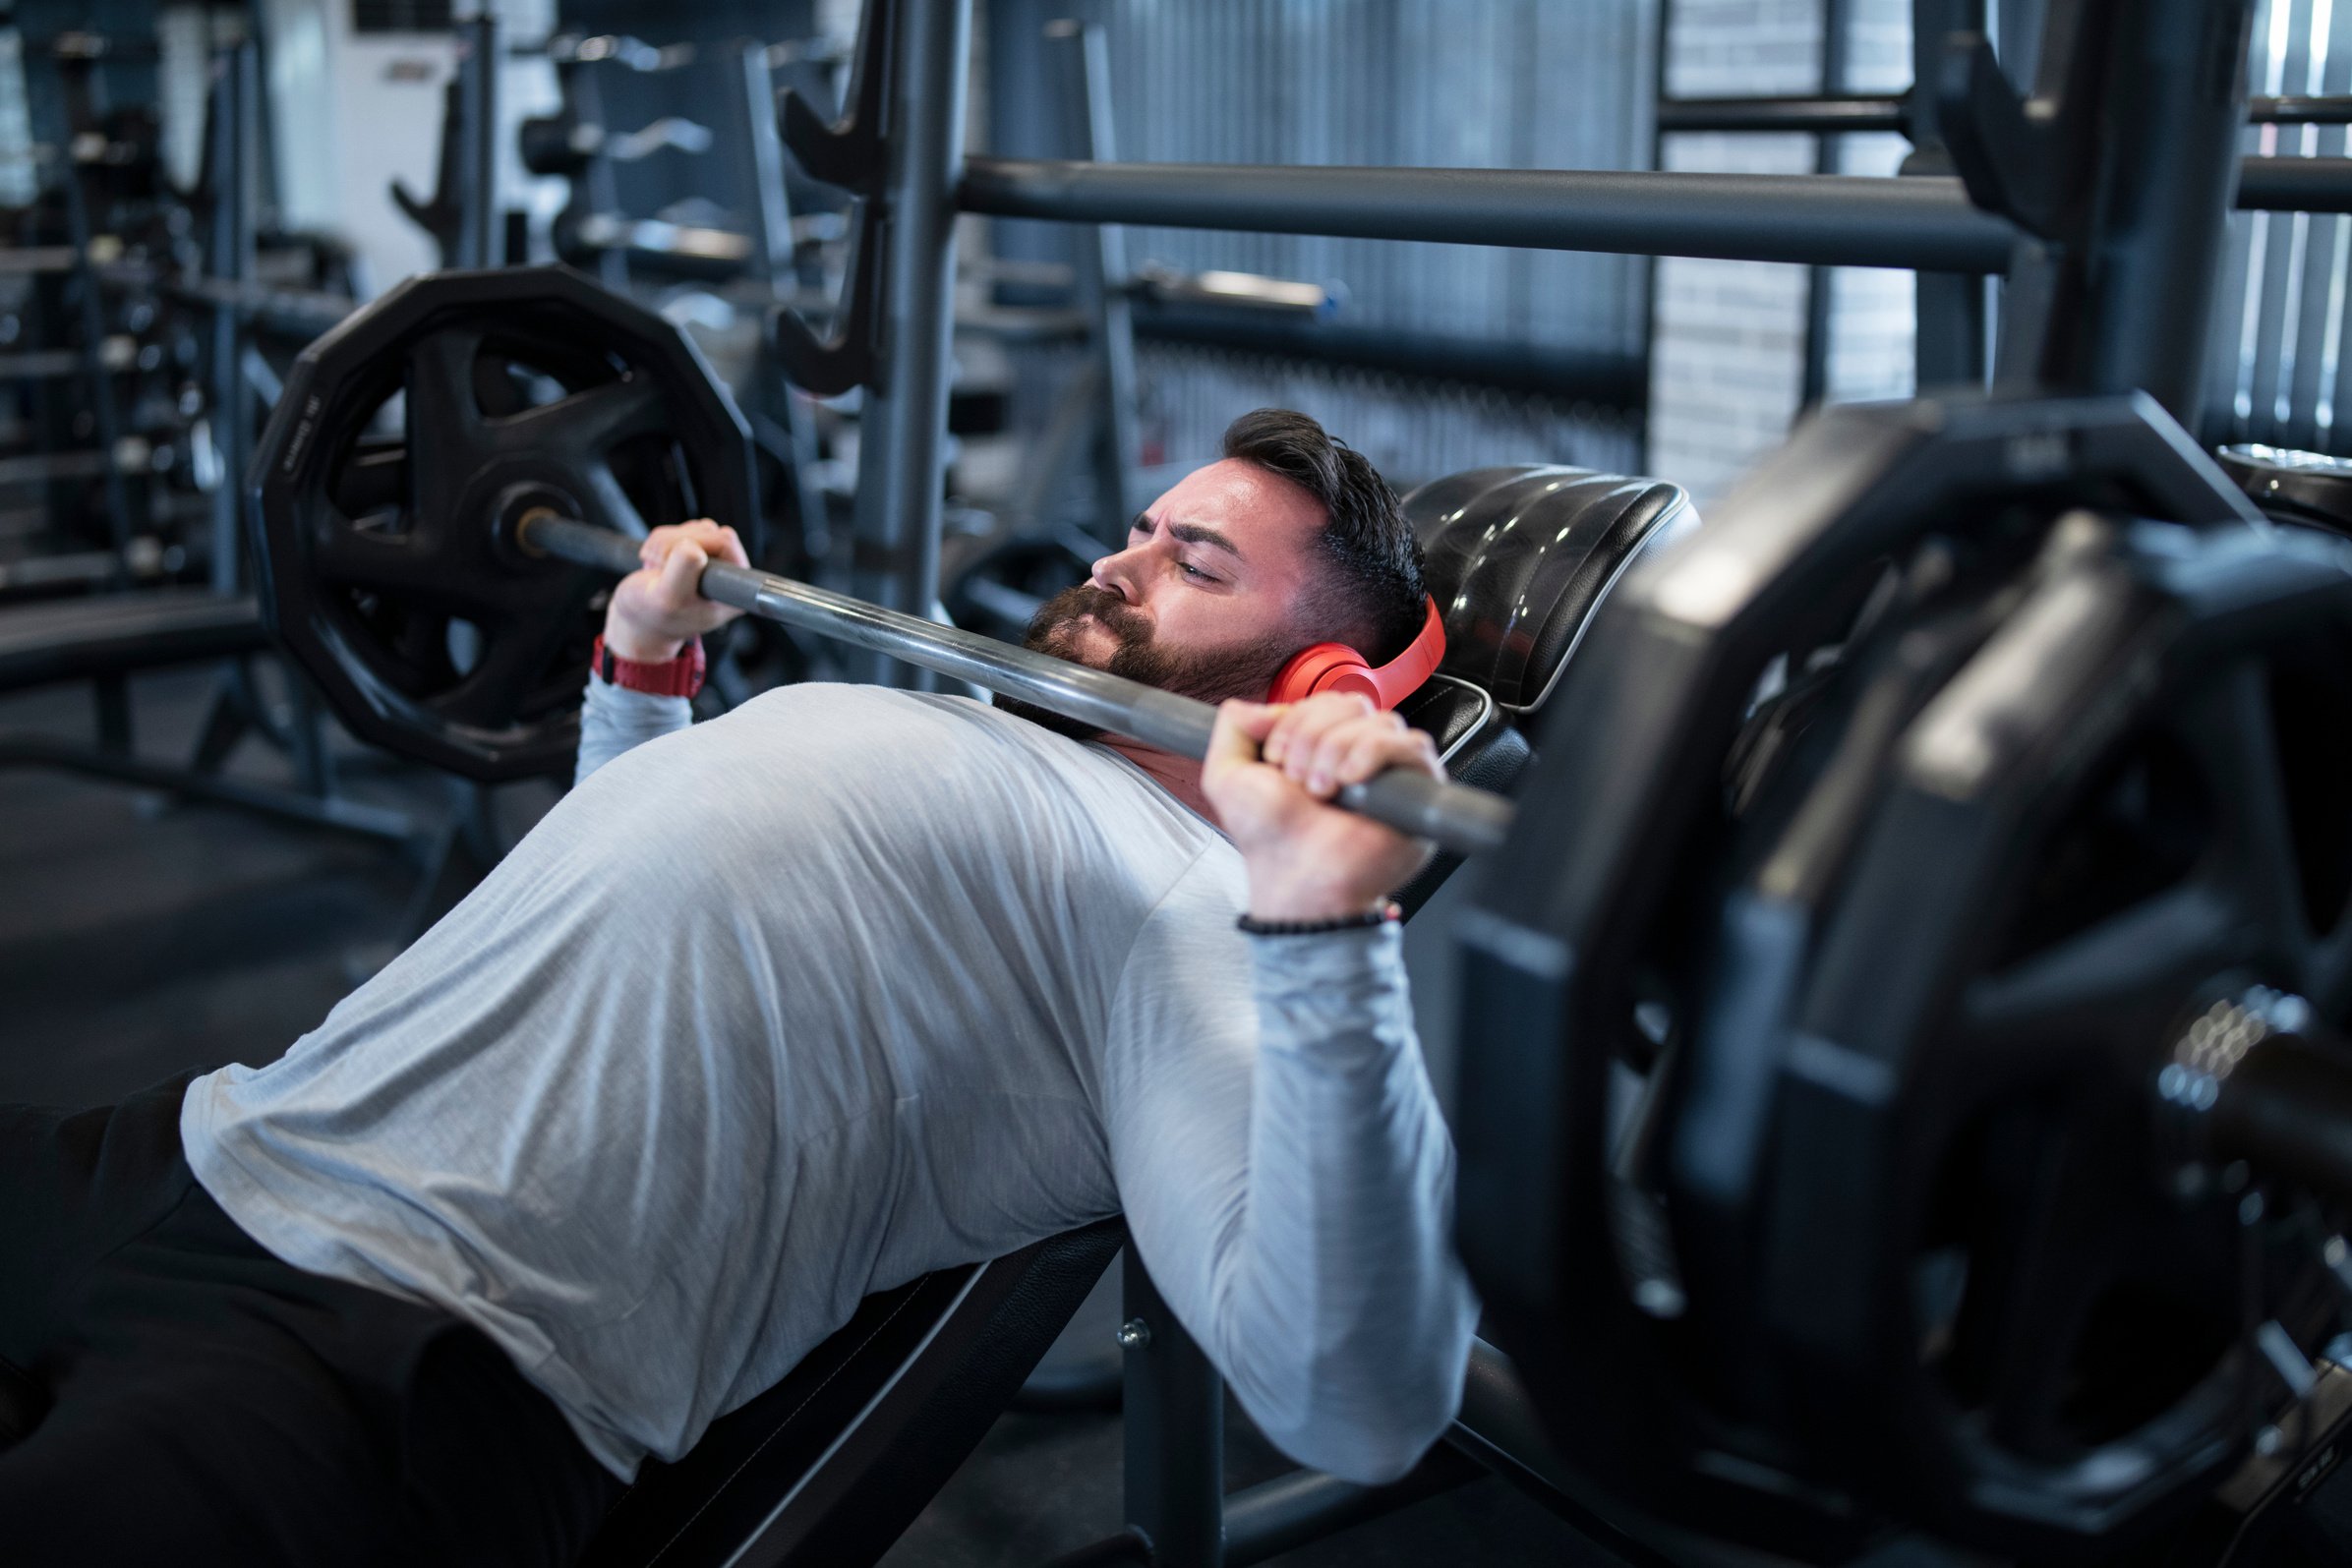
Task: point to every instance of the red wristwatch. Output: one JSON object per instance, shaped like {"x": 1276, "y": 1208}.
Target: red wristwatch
{"x": 671, "y": 677}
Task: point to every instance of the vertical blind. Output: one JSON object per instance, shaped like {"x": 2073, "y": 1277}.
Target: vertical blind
{"x": 2274, "y": 371}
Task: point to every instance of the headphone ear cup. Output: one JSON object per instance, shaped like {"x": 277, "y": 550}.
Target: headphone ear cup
{"x": 1325, "y": 666}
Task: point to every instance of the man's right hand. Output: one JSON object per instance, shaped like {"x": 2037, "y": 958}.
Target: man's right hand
{"x": 658, "y": 607}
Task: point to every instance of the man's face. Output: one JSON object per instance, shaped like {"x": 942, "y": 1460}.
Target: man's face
{"x": 1206, "y": 597}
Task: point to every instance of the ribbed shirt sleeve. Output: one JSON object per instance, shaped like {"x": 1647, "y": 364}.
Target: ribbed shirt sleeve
{"x": 1291, "y": 1193}
{"x": 617, "y": 719}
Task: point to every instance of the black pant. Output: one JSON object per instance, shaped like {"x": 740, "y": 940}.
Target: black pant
{"x": 213, "y": 1405}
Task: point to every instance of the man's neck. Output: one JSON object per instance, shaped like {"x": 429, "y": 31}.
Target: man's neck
{"x": 1178, "y": 776}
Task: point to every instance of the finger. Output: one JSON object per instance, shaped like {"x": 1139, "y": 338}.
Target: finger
{"x": 1306, "y": 721}
{"x": 681, "y": 571}
{"x": 657, "y": 540}
{"x": 1313, "y": 764}
{"x": 1372, "y": 753}
{"x": 730, "y": 548}
{"x": 1233, "y": 740}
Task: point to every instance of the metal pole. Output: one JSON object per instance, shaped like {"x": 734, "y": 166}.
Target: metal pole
{"x": 1661, "y": 40}
{"x": 1949, "y": 308}
{"x": 1458, "y": 818}
{"x": 1102, "y": 275}
{"x": 1833, "y": 220}
{"x": 903, "y": 420}
{"x": 772, "y": 235}
{"x": 1831, "y": 114}
{"x": 105, "y": 416}
{"x": 1174, "y": 1427}
{"x": 235, "y": 91}
{"x": 2171, "y": 116}
{"x": 2295, "y": 185}
{"x": 1820, "y": 283}
{"x": 2299, "y": 111}
{"x": 1836, "y": 113}
{"x": 478, "y": 83}
{"x": 596, "y": 187}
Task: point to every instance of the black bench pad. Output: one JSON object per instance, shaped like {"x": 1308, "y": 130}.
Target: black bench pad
{"x": 832, "y": 1464}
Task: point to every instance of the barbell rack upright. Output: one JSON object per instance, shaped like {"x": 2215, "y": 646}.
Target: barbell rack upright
{"x": 902, "y": 420}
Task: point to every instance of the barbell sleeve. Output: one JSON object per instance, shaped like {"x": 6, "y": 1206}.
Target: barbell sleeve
{"x": 1455, "y": 817}
{"x": 2259, "y": 1077}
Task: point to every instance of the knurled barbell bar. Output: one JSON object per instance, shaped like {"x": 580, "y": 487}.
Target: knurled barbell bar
{"x": 1454, "y": 816}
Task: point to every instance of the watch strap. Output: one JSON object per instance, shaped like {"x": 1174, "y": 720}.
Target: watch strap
{"x": 680, "y": 676}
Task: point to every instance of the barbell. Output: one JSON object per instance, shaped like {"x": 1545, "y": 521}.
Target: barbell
{"x": 417, "y": 571}
{"x": 1464, "y": 820}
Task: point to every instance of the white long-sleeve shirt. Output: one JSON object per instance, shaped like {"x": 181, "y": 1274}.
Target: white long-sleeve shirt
{"x": 852, "y": 984}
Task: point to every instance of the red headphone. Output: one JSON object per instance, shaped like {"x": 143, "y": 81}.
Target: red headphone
{"x": 1336, "y": 667}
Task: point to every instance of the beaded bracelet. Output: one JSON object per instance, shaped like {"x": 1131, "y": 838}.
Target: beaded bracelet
{"x": 1314, "y": 928}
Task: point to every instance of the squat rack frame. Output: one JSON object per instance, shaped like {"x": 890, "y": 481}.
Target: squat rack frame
{"x": 2148, "y": 235}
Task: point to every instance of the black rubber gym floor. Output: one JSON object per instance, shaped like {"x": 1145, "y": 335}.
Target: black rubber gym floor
{"x": 139, "y": 937}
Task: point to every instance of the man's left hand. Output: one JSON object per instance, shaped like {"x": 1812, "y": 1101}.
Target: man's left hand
{"x": 1271, "y": 771}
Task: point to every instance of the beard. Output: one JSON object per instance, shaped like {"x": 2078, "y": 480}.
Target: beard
{"x": 1207, "y": 674}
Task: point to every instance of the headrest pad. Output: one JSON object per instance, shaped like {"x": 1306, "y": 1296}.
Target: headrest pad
{"x": 1518, "y": 558}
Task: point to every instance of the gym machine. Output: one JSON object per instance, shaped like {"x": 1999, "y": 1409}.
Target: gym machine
{"x": 2120, "y": 170}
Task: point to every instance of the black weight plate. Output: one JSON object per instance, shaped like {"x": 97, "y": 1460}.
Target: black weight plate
{"x": 1623, "y": 825}
{"x": 407, "y": 441}
{"x": 1971, "y": 1254}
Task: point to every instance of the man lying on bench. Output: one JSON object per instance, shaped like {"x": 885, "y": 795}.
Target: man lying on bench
{"x": 767, "y": 1015}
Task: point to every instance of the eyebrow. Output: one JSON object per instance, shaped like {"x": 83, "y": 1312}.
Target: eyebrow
{"x": 1189, "y": 534}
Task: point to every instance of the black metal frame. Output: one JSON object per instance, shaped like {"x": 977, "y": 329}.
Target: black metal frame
{"x": 461, "y": 214}
{"x": 1955, "y": 234}
{"x": 1918, "y": 221}
{"x": 1178, "y": 1514}
{"x": 1840, "y": 220}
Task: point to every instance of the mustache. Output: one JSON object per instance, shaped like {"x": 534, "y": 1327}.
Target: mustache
{"x": 1072, "y": 605}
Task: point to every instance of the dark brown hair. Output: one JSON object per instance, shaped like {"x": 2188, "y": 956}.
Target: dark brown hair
{"x": 1377, "y": 579}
